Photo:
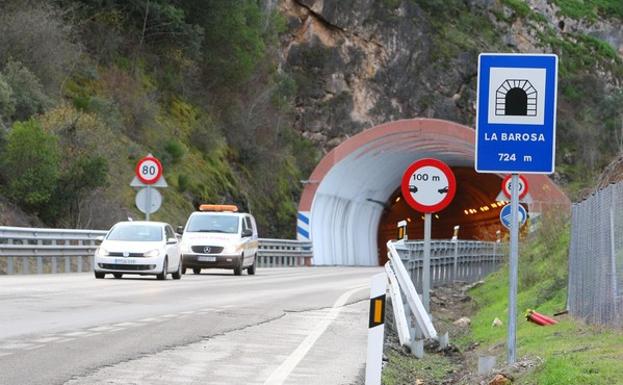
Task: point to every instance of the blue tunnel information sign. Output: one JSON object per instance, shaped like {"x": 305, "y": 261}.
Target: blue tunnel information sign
{"x": 516, "y": 113}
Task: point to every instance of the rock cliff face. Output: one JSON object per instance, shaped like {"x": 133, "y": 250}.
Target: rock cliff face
{"x": 358, "y": 63}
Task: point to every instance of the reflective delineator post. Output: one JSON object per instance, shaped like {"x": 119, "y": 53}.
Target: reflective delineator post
{"x": 376, "y": 329}
{"x": 513, "y": 269}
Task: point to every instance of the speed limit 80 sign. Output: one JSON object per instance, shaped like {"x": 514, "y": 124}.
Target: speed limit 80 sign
{"x": 428, "y": 185}
{"x": 148, "y": 170}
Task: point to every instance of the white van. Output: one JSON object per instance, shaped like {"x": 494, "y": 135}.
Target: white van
{"x": 218, "y": 236}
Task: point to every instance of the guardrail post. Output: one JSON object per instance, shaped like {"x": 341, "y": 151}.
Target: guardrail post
{"x": 456, "y": 260}
{"x": 25, "y": 265}
{"x": 9, "y": 261}
{"x": 67, "y": 265}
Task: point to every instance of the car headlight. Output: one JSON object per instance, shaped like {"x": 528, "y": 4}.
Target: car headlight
{"x": 101, "y": 252}
{"x": 231, "y": 249}
{"x": 152, "y": 253}
{"x": 186, "y": 248}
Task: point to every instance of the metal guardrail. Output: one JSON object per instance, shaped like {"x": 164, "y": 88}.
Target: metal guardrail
{"x": 25, "y": 250}
{"x": 451, "y": 261}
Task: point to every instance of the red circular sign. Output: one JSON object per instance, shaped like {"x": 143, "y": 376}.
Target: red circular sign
{"x": 148, "y": 170}
{"x": 428, "y": 185}
{"x": 523, "y": 186}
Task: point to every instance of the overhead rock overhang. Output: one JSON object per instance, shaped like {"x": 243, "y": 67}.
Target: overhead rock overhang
{"x": 352, "y": 200}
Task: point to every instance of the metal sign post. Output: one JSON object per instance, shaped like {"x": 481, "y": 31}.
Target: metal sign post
{"x": 148, "y": 211}
{"x": 513, "y": 270}
{"x": 426, "y": 266}
{"x": 428, "y": 186}
{"x": 515, "y": 133}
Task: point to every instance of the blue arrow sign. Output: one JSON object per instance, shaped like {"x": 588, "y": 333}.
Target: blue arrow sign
{"x": 506, "y": 216}
{"x": 516, "y": 113}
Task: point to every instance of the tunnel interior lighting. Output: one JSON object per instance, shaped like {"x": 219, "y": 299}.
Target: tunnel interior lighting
{"x": 397, "y": 200}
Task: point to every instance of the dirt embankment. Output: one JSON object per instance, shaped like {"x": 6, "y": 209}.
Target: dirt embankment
{"x": 453, "y": 365}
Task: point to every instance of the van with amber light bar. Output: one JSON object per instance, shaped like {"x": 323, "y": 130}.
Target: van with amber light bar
{"x": 218, "y": 236}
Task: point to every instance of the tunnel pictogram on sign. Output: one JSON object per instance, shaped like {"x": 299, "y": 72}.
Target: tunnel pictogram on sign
{"x": 516, "y": 97}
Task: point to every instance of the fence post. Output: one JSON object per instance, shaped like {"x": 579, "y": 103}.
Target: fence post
{"x": 456, "y": 260}
{"x": 10, "y": 259}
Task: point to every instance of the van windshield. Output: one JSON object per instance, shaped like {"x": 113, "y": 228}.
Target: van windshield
{"x": 213, "y": 223}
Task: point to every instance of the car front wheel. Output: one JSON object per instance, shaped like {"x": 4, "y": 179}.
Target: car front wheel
{"x": 162, "y": 276}
{"x": 118, "y": 275}
{"x": 99, "y": 275}
{"x": 178, "y": 272}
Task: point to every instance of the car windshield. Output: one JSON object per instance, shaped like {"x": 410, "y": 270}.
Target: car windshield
{"x": 213, "y": 223}
{"x": 135, "y": 232}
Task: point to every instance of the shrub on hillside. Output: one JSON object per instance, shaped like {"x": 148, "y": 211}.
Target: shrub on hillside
{"x": 36, "y": 35}
{"x": 30, "y": 165}
{"x": 7, "y": 102}
{"x": 28, "y": 95}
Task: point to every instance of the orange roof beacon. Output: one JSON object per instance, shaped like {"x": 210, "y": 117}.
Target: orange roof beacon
{"x": 232, "y": 208}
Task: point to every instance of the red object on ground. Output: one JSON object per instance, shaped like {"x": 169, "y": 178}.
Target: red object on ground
{"x": 539, "y": 318}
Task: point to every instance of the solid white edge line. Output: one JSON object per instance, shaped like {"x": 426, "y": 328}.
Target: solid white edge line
{"x": 279, "y": 376}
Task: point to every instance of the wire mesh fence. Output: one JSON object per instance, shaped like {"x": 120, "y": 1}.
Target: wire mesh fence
{"x": 596, "y": 258}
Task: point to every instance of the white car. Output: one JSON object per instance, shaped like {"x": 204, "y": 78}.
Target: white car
{"x": 218, "y": 236}
{"x": 145, "y": 248}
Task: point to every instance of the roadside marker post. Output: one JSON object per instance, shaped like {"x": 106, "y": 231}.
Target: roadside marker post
{"x": 376, "y": 329}
{"x": 428, "y": 186}
{"x": 515, "y": 133}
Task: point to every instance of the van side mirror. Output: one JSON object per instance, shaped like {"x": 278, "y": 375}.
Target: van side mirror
{"x": 99, "y": 239}
{"x": 171, "y": 241}
{"x": 247, "y": 233}
{"x": 180, "y": 230}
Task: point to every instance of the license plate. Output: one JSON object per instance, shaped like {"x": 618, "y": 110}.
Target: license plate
{"x": 207, "y": 259}
{"x": 125, "y": 261}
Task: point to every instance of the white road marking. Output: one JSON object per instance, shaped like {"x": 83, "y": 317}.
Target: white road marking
{"x": 169, "y": 316}
{"x": 5, "y": 354}
{"x": 279, "y": 376}
{"x": 102, "y": 329}
{"x": 75, "y": 334}
{"x": 148, "y": 320}
{"x": 65, "y": 340}
{"x": 15, "y": 345}
{"x": 34, "y": 347}
{"x": 126, "y": 324}
{"x": 47, "y": 339}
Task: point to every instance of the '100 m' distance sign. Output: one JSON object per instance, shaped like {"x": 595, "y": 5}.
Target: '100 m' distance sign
{"x": 428, "y": 185}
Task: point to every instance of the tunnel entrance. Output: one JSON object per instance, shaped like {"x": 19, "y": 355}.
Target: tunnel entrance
{"x": 474, "y": 209}
{"x": 352, "y": 202}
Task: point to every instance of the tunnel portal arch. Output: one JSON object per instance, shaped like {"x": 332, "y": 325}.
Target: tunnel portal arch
{"x": 352, "y": 200}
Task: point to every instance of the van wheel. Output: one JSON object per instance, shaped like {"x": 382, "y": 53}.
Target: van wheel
{"x": 99, "y": 275}
{"x": 238, "y": 269}
{"x": 118, "y": 275}
{"x": 197, "y": 270}
{"x": 251, "y": 269}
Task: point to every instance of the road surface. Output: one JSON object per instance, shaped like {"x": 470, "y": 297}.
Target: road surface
{"x": 282, "y": 326}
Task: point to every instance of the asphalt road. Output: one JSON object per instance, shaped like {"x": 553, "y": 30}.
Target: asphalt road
{"x": 282, "y": 326}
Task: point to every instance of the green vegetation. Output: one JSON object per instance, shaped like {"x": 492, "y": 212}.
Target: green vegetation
{"x": 87, "y": 88}
{"x": 590, "y": 9}
{"x": 430, "y": 369}
{"x": 30, "y": 164}
{"x": 572, "y": 352}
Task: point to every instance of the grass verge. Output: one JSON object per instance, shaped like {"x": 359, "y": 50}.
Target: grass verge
{"x": 572, "y": 352}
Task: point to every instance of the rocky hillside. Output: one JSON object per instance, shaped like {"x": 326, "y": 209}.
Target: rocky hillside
{"x": 241, "y": 98}
{"x": 359, "y": 63}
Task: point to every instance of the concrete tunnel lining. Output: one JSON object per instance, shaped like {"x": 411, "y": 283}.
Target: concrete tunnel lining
{"x": 348, "y": 191}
